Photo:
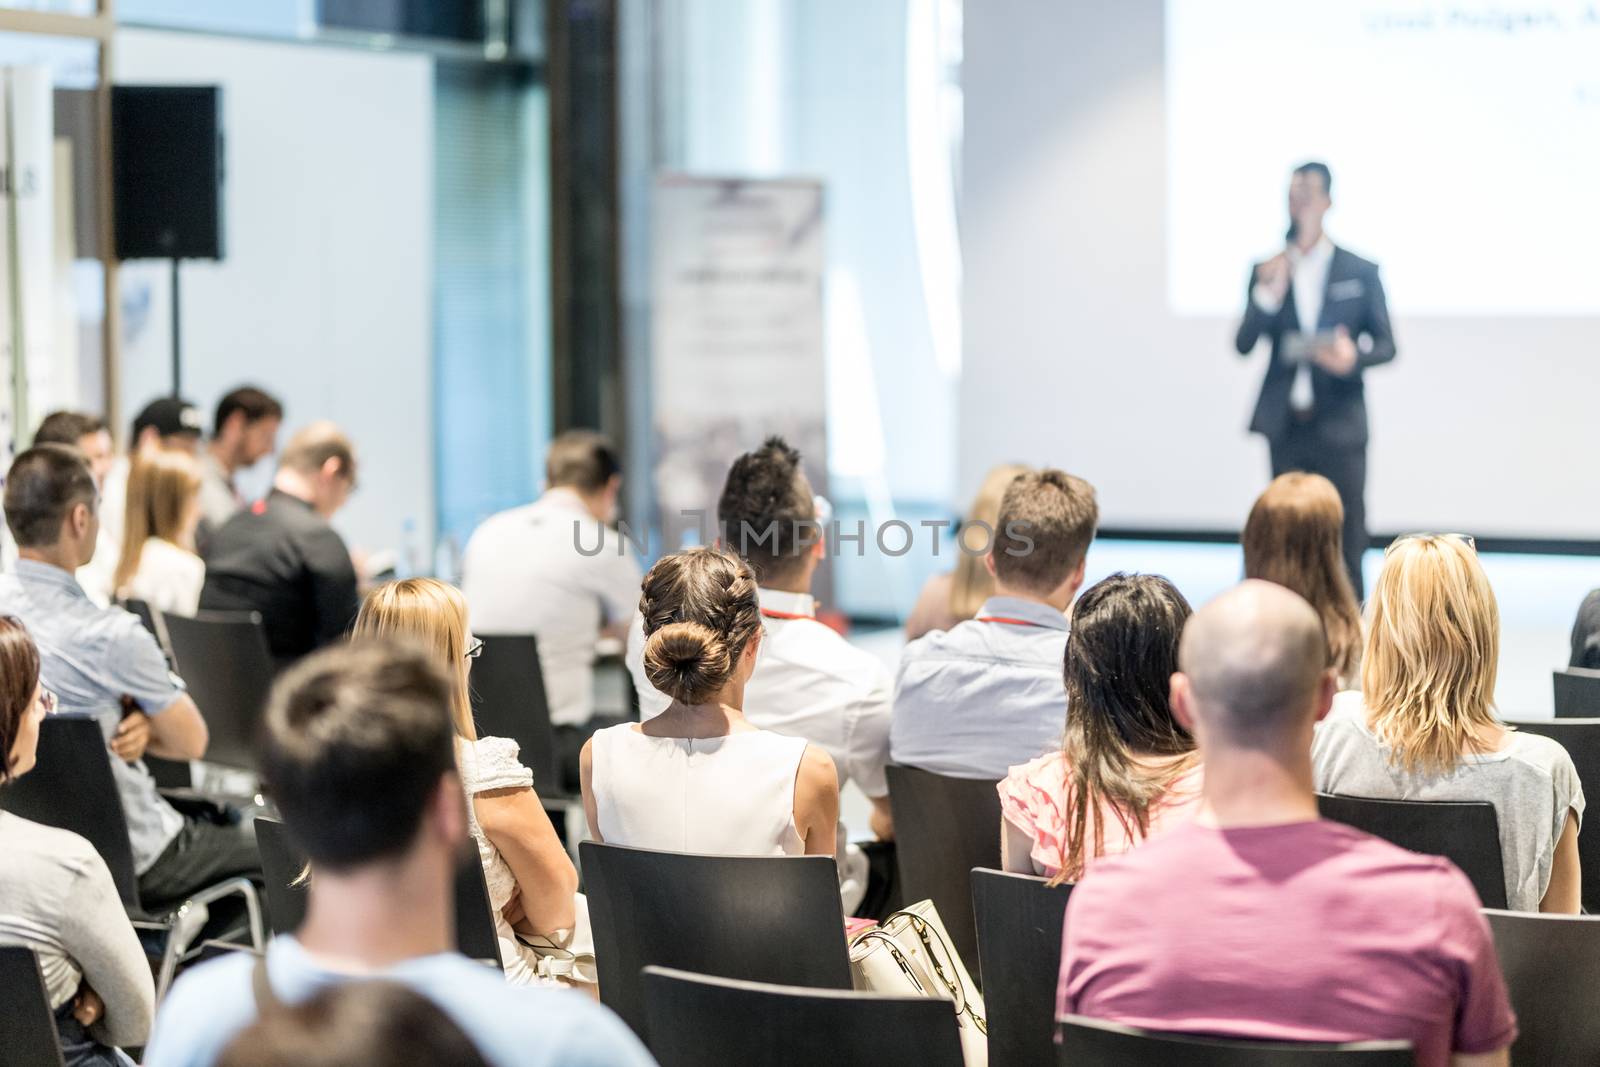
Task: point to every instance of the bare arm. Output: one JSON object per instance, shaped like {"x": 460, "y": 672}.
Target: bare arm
{"x": 586, "y": 781}
{"x": 816, "y": 802}
{"x": 1016, "y": 849}
{"x": 178, "y": 731}
{"x": 516, "y": 824}
{"x": 1502, "y": 1058}
{"x": 1564, "y": 894}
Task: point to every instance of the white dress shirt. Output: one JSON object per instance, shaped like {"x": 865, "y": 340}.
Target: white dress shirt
{"x": 526, "y": 571}
{"x": 1309, "y": 283}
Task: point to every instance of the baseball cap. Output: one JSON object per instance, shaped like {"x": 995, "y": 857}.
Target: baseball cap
{"x": 169, "y": 416}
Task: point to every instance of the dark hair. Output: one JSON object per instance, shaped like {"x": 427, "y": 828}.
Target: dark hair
{"x": 372, "y": 1023}
{"x": 699, "y": 609}
{"x": 1047, "y": 520}
{"x": 1122, "y": 651}
{"x": 581, "y": 460}
{"x": 356, "y": 740}
{"x": 1321, "y": 170}
{"x": 44, "y": 484}
{"x": 765, "y": 505}
{"x": 67, "y": 428}
{"x": 19, "y": 677}
{"x": 257, "y": 404}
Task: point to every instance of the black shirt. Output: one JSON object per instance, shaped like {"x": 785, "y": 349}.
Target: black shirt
{"x": 1586, "y": 633}
{"x": 282, "y": 559}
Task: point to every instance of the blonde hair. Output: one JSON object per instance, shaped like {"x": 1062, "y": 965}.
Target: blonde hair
{"x": 1433, "y": 648}
{"x": 700, "y": 611}
{"x": 972, "y": 583}
{"x": 1294, "y": 538}
{"x": 162, "y": 488}
{"x": 427, "y": 611}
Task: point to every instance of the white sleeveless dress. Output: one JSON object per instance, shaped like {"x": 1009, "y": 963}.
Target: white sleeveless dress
{"x": 724, "y": 796}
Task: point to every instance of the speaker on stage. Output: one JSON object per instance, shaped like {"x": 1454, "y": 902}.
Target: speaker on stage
{"x": 166, "y": 158}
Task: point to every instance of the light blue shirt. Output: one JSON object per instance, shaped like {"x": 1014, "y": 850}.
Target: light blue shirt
{"x": 91, "y": 657}
{"x": 976, "y": 700}
{"x": 512, "y": 1026}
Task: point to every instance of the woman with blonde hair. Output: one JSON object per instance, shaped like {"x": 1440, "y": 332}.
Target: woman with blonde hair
{"x": 955, "y": 595}
{"x": 158, "y": 563}
{"x": 532, "y": 882}
{"x": 1294, "y": 538}
{"x": 698, "y": 777}
{"x": 1423, "y": 726}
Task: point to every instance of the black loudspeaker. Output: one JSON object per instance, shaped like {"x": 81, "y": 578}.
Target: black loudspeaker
{"x": 166, "y": 159}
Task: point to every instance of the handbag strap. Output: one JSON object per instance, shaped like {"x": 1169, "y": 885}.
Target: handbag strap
{"x": 267, "y": 1002}
{"x": 943, "y": 969}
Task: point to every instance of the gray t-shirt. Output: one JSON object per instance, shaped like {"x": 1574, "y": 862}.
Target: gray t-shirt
{"x": 1531, "y": 782}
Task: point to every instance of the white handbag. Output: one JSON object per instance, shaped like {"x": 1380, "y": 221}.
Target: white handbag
{"x": 910, "y": 954}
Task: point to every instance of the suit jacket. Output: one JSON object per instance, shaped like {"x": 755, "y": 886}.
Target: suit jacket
{"x": 1353, "y": 299}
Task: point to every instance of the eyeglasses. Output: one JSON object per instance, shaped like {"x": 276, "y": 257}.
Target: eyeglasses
{"x": 474, "y": 648}
{"x": 47, "y": 701}
{"x": 1460, "y": 538}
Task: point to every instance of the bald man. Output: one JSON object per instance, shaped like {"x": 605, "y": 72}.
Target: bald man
{"x": 1259, "y": 919}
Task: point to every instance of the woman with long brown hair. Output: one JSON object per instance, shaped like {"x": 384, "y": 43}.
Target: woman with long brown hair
{"x": 158, "y": 563}
{"x": 1126, "y": 767}
{"x": 1294, "y": 538}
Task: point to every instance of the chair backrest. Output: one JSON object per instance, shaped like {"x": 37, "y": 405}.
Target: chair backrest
{"x": 27, "y": 1025}
{"x": 282, "y": 862}
{"x": 1577, "y": 692}
{"x": 223, "y": 659}
{"x": 508, "y": 700}
{"x": 759, "y": 918}
{"x": 71, "y": 787}
{"x": 1465, "y": 833}
{"x": 1551, "y": 965}
{"x": 1019, "y": 950}
{"x": 1581, "y": 739}
{"x": 695, "y": 1019}
{"x": 944, "y": 827}
{"x": 153, "y": 621}
{"x": 1092, "y": 1043}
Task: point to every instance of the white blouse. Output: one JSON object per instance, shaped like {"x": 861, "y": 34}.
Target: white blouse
{"x": 169, "y": 578}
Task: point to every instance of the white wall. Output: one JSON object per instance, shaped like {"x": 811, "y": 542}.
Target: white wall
{"x": 1073, "y": 356}
{"x": 325, "y": 296}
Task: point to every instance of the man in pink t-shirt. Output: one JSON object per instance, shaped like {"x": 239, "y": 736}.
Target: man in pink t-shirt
{"x": 1259, "y": 919}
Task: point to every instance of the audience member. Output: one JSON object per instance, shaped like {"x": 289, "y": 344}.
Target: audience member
{"x": 102, "y": 662}
{"x": 1258, "y": 919}
{"x": 359, "y": 752}
{"x": 158, "y": 563}
{"x": 354, "y": 1024}
{"x": 244, "y": 433}
{"x": 809, "y": 681}
{"x": 281, "y": 557}
{"x": 1423, "y": 725}
{"x": 699, "y": 777}
{"x": 57, "y": 897}
{"x": 1586, "y": 634}
{"x": 1293, "y": 537}
{"x": 555, "y": 569}
{"x": 955, "y": 596}
{"x": 979, "y": 699}
{"x": 523, "y": 861}
{"x": 89, "y": 435}
{"x": 1127, "y": 769}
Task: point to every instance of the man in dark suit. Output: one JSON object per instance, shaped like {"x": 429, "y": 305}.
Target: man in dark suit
{"x": 1324, "y": 310}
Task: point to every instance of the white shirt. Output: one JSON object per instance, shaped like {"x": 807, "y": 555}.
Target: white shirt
{"x": 553, "y": 570}
{"x": 169, "y": 578}
{"x": 1309, "y": 284}
{"x": 809, "y": 682}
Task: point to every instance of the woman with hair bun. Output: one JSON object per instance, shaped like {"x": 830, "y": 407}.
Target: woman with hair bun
{"x": 698, "y": 777}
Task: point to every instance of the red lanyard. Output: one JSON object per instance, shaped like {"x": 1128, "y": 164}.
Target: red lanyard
{"x": 1008, "y": 619}
{"x": 773, "y": 613}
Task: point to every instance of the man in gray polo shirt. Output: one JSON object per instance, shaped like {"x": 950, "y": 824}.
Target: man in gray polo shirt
{"x": 102, "y": 662}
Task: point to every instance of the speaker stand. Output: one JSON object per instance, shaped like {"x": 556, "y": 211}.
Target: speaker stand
{"x": 177, "y": 336}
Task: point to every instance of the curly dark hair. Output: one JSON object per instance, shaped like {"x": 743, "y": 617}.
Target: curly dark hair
{"x": 767, "y": 512}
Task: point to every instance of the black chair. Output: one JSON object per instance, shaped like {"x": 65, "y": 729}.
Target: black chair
{"x": 28, "y": 1035}
{"x": 758, "y": 918}
{"x": 1019, "y": 921}
{"x": 1551, "y": 965}
{"x": 223, "y": 659}
{"x": 72, "y": 787}
{"x": 1577, "y": 691}
{"x": 943, "y": 828}
{"x": 1581, "y": 739}
{"x": 282, "y": 864}
{"x": 508, "y": 700}
{"x": 1467, "y": 834}
{"x": 696, "y": 1020}
{"x": 1092, "y": 1043}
